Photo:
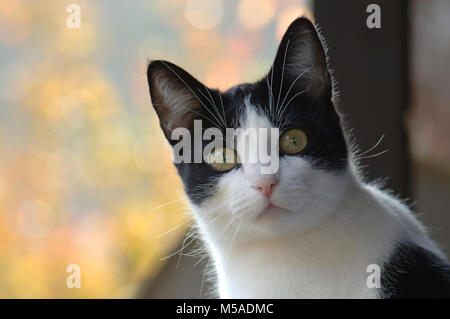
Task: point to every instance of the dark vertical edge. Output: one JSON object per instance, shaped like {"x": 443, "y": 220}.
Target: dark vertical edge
{"x": 372, "y": 70}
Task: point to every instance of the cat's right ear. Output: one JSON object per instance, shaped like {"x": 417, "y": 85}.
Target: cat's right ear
{"x": 172, "y": 92}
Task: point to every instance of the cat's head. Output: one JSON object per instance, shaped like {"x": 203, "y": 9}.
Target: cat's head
{"x": 296, "y": 98}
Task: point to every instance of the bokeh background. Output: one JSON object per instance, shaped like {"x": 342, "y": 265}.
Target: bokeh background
{"x": 85, "y": 174}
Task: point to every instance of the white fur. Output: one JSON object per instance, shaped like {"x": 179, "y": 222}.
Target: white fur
{"x": 334, "y": 228}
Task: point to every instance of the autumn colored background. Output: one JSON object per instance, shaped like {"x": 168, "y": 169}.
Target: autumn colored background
{"x": 85, "y": 175}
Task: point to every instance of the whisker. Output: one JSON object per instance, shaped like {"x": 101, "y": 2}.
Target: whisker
{"x": 212, "y": 104}
{"x": 206, "y": 118}
{"x": 178, "y": 251}
{"x": 271, "y": 86}
{"x": 182, "y": 247}
{"x": 166, "y": 204}
{"x": 215, "y": 106}
{"x": 172, "y": 229}
{"x": 200, "y": 259}
{"x": 289, "y": 90}
{"x": 374, "y": 155}
{"x": 211, "y": 101}
{"x": 282, "y": 72}
{"x": 289, "y": 102}
{"x": 373, "y": 147}
{"x": 223, "y": 108}
{"x": 270, "y": 93}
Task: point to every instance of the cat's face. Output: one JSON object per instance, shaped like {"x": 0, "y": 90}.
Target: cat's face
{"x": 295, "y": 97}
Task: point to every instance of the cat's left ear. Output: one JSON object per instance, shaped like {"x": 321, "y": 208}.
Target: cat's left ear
{"x": 301, "y": 61}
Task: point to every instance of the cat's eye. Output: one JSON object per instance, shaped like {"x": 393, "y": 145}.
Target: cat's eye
{"x": 222, "y": 159}
{"x": 293, "y": 141}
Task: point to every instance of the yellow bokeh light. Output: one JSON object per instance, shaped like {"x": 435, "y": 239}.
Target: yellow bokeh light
{"x": 204, "y": 14}
{"x": 254, "y": 14}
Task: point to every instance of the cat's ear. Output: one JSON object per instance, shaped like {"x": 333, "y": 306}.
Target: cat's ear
{"x": 175, "y": 96}
{"x": 301, "y": 60}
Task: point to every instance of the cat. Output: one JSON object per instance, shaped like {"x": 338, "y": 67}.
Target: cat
{"x": 314, "y": 228}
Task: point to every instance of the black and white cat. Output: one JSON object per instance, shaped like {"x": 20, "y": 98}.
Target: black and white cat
{"x": 313, "y": 229}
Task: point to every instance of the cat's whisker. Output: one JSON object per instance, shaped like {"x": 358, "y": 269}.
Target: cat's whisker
{"x": 286, "y": 120}
{"x": 201, "y": 258}
{"x": 373, "y": 147}
{"x": 189, "y": 235}
{"x": 211, "y": 101}
{"x": 223, "y": 108}
{"x": 271, "y": 90}
{"x": 282, "y": 72}
{"x": 217, "y": 109}
{"x": 174, "y": 228}
{"x": 373, "y": 155}
{"x": 269, "y": 95}
{"x": 220, "y": 121}
{"x": 183, "y": 246}
{"x": 281, "y": 112}
{"x": 178, "y": 251}
{"x": 166, "y": 204}
{"x": 206, "y": 118}
{"x": 290, "y": 88}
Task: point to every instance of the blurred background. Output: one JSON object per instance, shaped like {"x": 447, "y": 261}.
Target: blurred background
{"x": 85, "y": 174}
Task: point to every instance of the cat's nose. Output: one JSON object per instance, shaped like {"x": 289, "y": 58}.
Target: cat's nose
{"x": 266, "y": 186}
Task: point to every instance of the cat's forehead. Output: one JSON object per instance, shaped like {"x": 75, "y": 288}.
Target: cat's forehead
{"x": 254, "y": 116}
{"x": 240, "y": 91}
{"x": 248, "y": 104}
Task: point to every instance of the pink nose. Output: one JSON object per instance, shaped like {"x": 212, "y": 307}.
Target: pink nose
{"x": 266, "y": 186}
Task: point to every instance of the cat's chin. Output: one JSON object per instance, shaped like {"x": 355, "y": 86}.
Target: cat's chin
{"x": 274, "y": 221}
{"x": 271, "y": 212}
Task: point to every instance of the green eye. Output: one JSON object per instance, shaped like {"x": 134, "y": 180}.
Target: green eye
{"x": 222, "y": 159}
{"x": 293, "y": 141}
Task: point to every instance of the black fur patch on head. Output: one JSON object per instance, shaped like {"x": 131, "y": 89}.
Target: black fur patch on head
{"x": 413, "y": 272}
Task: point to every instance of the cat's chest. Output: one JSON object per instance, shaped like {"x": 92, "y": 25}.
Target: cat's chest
{"x": 296, "y": 274}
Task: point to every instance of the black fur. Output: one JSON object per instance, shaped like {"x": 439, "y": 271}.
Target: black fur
{"x": 414, "y": 272}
